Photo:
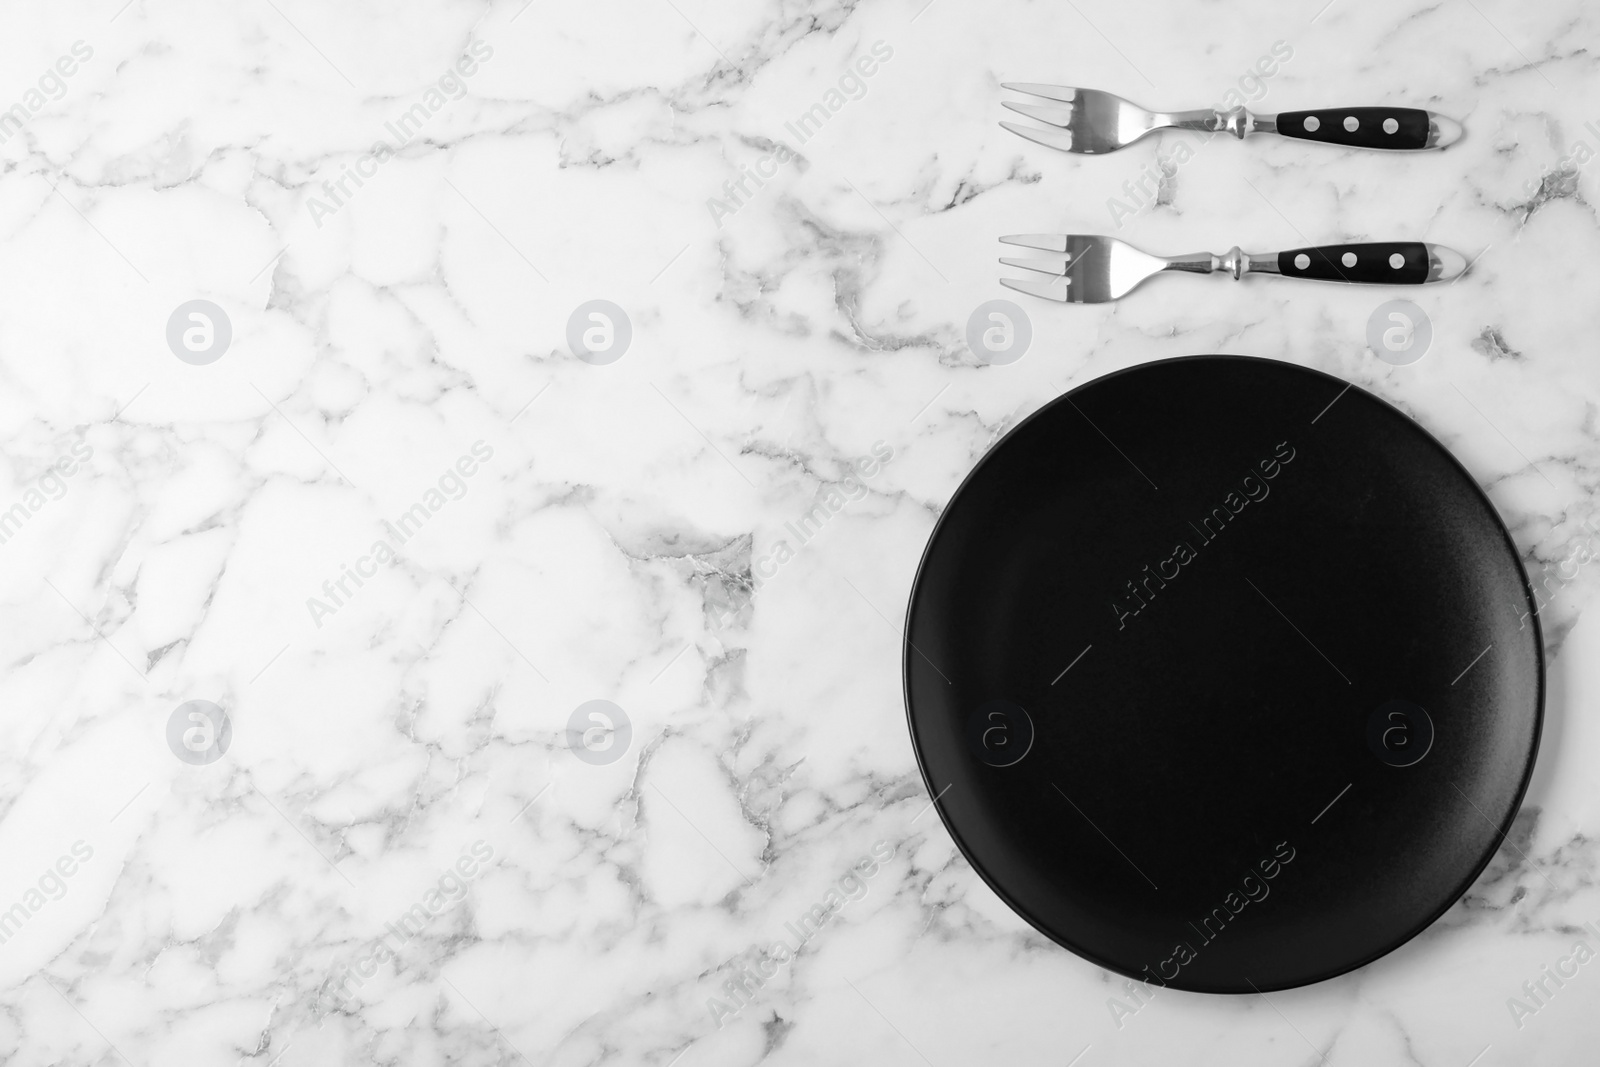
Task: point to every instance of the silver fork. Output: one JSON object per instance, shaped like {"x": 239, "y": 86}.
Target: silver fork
{"x": 1089, "y": 269}
{"x": 1095, "y": 122}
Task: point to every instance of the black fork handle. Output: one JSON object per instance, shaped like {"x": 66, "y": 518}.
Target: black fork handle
{"x": 1359, "y": 127}
{"x": 1380, "y": 263}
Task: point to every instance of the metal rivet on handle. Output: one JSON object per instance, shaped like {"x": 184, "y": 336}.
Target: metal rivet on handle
{"x": 1312, "y": 123}
{"x": 1397, "y": 261}
{"x": 1302, "y": 261}
{"x": 1390, "y": 126}
{"x": 1348, "y": 259}
{"x": 1352, "y": 123}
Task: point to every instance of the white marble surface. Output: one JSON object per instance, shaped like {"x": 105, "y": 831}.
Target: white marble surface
{"x": 213, "y": 911}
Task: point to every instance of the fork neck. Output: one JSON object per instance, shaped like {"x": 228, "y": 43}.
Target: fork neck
{"x": 1234, "y": 261}
{"x": 1237, "y": 121}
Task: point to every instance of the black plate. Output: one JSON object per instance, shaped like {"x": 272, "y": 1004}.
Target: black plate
{"x": 1225, "y": 674}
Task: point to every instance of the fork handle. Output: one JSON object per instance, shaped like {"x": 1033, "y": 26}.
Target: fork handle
{"x": 1367, "y": 127}
{"x": 1381, "y": 263}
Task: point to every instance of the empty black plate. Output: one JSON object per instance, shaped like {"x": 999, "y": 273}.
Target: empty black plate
{"x": 1225, "y": 674}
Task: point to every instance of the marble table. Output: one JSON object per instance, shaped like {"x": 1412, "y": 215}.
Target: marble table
{"x": 465, "y": 465}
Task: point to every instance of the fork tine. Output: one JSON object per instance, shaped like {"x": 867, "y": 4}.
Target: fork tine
{"x": 1052, "y": 290}
{"x": 1055, "y": 116}
{"x": 1058, "y": 139}
{"x": 1044, "y": 242}
{"x": 1064, "y": 93}
{"x": 1057, "y": 266}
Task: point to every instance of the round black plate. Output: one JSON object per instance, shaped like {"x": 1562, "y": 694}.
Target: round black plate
{"x": 1225, "y": 674}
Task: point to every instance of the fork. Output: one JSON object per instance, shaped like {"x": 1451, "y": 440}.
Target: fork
{"x": 1089, "y": 269}
{"x": 1095, "y": 122}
